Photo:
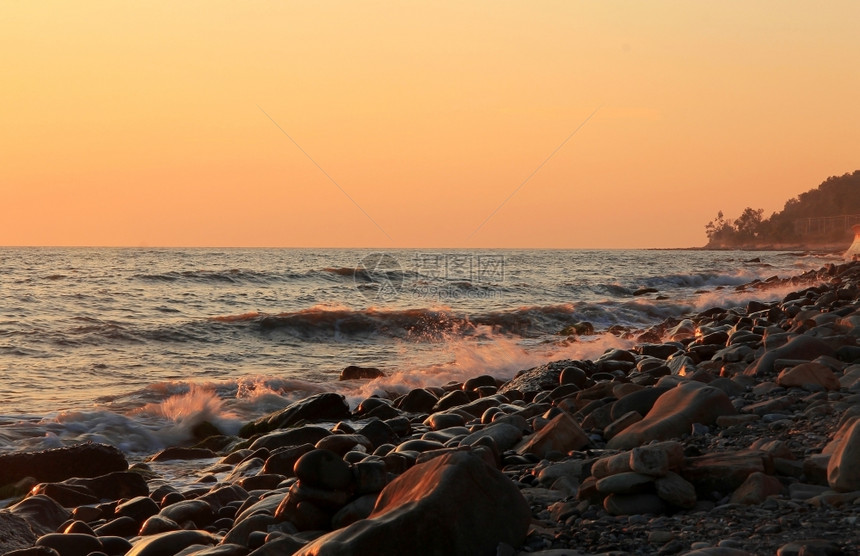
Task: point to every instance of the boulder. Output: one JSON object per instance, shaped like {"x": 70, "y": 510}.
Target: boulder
{"x": 42, "y": 513}
{"x": 360, "y": 373}
{"x": 756, "y": 488}
{"x": 59, "y": 464}
{"x": 843, "y": 470}
{"x": 453, "y": 504}
{"x": 320, "y": 407}
{"x": 725, "y": 471}
{"x": 674, "y": 414}
{"x": 169, "y": 543}
{"x": 15, "y": 533}
{"x": 809, "y": 375}
{"x": 561, "y": 434}
{"x": 804, "y": 348}
{"x": 538, "y": 379}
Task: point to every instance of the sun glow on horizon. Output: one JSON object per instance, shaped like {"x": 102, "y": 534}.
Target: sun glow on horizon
{"x": 407, "y": 125}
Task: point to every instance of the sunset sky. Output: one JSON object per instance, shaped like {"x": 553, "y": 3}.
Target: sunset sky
{"x": 167, "y": 123}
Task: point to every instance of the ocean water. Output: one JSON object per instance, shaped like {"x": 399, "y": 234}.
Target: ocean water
{"x": 135, "y": 346}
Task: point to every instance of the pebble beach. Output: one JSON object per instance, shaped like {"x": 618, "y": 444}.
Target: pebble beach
{"x": 729, "y": 431}
{"x": 725, "y": 432}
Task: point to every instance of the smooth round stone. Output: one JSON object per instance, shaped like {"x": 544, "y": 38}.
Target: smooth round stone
{"x": 197, "y": 511}
{"x": 488, "y": 415}
{"x": 70, "y": 544}
{"x": 419, "y": 445}
{"x": 158, "y": 524}
{"x": 124, "y": 526}
{"x": 573, "y": 375}
{"x": 79, "y": 527}
{"x": 171, "y": 498}
{"x": 87, "y": 514}
{"x": 170, "y": 543}
{"x": 139, "y": 508}
{"x": 323, "y": 469}
{"x": 622, "y": 483}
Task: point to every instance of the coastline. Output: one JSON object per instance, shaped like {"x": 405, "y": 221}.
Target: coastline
{"x": 715, "y": 391}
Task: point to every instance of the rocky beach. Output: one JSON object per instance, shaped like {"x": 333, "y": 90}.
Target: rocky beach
{"x": 730, "y": 431}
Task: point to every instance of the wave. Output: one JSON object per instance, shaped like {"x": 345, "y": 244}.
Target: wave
{"x": 228, "y": 276}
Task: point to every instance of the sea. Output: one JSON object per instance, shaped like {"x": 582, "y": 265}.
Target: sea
{"x": 134, "y": 347}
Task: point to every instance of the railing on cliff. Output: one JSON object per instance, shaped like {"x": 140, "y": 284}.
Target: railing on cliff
{"x": 825, "y": 225}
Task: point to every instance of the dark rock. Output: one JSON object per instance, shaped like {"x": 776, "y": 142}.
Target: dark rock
{"x": 67, "y": 496}
{"x": 178, "y": 452}
{"x": 170, "y": 543}
{"x": 323, "y": 469}
{"x": 379, "y": 433}
{"x": 284, "y": 460}
{"x": 479, "y": 381}
{"x": 320, "y": 407}
{"x": 196, "y": 511}
{"x": 114, "y": 486}
{"x": 640, "y": 401}
{"x": 42, "y": 513}
{"x": 59, "y": 464}
{"x": 473, "y": 504}
{"x": 124, "y": 526}
{"x": 72, "y": 544}
{"x": 449, "y": 400}
{"x": 725, "y": 471}
{"x": 538, "y": 379}
{"x": 418, "y": 400}
{"x": 15, "y": 533}
{"x": 139, "y": 508}
{"x": 360, "y": 373}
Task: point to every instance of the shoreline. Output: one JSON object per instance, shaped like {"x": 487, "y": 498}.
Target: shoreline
{"x": 763, "y": 397}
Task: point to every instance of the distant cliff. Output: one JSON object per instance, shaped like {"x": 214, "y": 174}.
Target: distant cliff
{"x": 820, "y": 218}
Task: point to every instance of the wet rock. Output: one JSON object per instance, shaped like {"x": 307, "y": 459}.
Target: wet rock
{"x": 48, "y": 466}
{"x": 67, "y": 496}
{"x": 178, "y": 452}
{"x": 420, "y": 400}
{"x": 15, "y": 533}
{"x": 42, "y": 513}
{"x": 167, "y": 544}
{"x": 441, "y": 420}
{"x": 674, "y": 413}
{"x": 283, "y": 461}
{"x": 360, "y": 373}
{"x": 320, "y": 407}
{"x": 71, "y": 544}
{"x": 114, "y": 486}
{"x": 138, "y": 508}
{"x": 537, "y": 379}
{"x": 196, "y": 511}
{"x": 323, "y": 469}
{"x": 475, "y": 506}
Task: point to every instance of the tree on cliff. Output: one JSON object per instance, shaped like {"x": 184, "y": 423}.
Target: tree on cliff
{"x": 836, "y": 196}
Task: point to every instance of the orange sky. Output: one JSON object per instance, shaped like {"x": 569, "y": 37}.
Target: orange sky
{"x": 145, "y": 126}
